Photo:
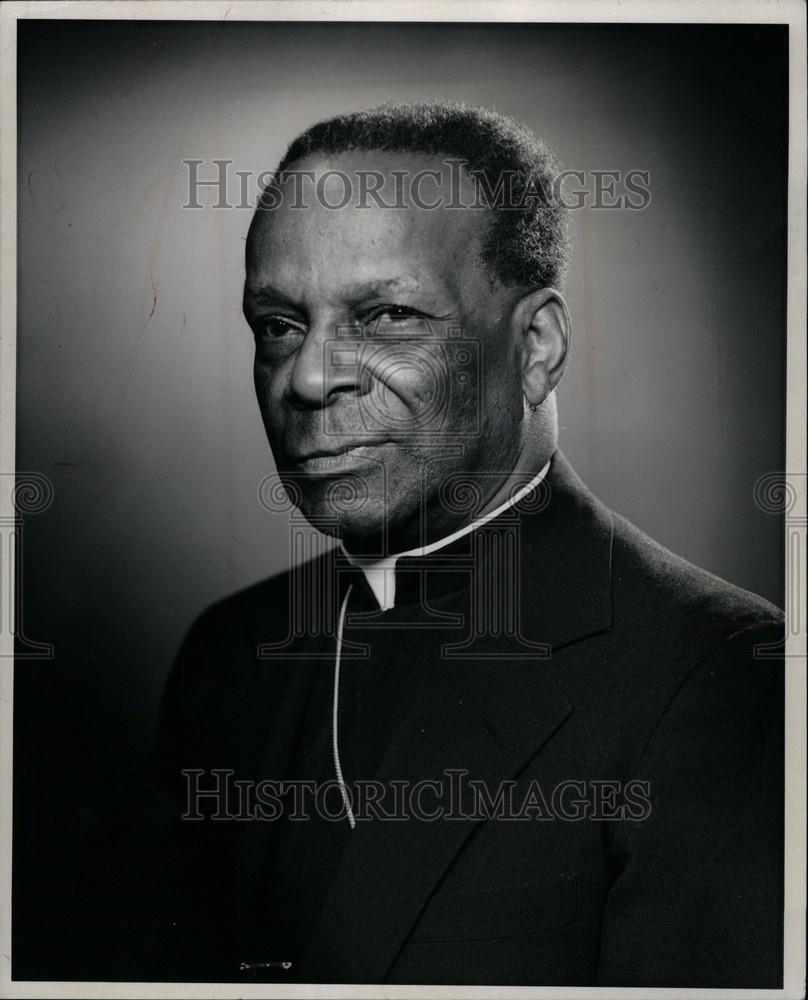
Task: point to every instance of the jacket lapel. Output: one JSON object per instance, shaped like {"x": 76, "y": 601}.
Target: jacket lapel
{"x": 488, "y": 716}
{"x": 390, "y": 868}
{"x": 566, "y": 562}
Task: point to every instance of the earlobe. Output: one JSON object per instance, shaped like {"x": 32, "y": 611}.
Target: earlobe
{"x": 544, "y": 325}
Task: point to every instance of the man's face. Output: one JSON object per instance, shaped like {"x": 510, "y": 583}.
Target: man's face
{"x": 385, "y": 362}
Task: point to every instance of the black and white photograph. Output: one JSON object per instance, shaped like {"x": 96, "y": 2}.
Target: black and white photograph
{"x": 403, "y": 483}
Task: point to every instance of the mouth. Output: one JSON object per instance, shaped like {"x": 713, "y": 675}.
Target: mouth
{"x": 340, "y": 457}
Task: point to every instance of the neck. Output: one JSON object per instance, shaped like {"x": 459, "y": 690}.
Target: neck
{"x": 520, "y": 480}
{"x": 380, "y": 572}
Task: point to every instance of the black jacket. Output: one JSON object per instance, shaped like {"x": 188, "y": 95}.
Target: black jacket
{"x": 608, "y": 673}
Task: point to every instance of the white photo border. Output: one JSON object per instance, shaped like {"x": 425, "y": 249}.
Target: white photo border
{"x": 675, "y": 12}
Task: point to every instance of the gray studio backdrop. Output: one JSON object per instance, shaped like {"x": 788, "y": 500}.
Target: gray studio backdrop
{"x": 134, "y": 391}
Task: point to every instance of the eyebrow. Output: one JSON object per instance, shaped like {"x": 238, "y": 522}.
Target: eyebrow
{"x": 376, "y": 287}
{"x": 267, "y": 294}
{"x": 373, "y": 288}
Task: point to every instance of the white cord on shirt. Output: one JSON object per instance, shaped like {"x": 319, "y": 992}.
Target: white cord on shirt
{"x": 334, "y": 740}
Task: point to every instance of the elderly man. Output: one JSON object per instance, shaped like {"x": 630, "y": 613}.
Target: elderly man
{"x": 497, "y": 735}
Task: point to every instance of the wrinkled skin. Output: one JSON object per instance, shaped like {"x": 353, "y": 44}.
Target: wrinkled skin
{"x": 388, "y": 361}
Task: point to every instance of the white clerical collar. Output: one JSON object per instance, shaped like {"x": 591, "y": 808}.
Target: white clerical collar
{"x": 381, "y": 573}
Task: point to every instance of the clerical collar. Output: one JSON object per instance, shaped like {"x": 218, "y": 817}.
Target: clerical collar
{"x": 381, "y": 573}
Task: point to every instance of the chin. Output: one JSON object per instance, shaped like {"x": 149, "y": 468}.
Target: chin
{"x": 365, "y": 523}
{"x": 371, "y": 528}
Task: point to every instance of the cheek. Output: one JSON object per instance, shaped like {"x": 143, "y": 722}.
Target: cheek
{"x": 269, "y": 382}
{"x": 501, "y": 385}
{"x": 399, "y": 393}
{"x": 434, "y": 390}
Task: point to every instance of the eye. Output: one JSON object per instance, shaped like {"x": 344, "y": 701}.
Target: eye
{"x": 394, "y": 313}
{"x": 276, "y": 327}
{"x": 402, "y": 321}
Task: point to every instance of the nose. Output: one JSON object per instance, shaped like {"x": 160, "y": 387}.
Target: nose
{"x": 324, "y": 367}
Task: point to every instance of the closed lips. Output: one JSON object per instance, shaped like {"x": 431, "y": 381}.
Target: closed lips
{"x": 336, "y": 452}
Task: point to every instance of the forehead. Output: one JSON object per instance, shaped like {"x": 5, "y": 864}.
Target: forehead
{"x": 305, "y": 240}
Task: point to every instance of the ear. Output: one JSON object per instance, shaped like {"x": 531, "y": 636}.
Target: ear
{"x": 543, "y": 325}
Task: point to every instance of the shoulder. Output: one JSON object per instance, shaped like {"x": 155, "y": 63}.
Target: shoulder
{"x": 219, "y": 684}
{"x": 659, "y": 610}
{"x": 694, "y": 644}
{"x": 675, "y": 631}
{"x": 652, "y": 582}
{"x": 651, "y": 587}
{"x": 262, "y": 607}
